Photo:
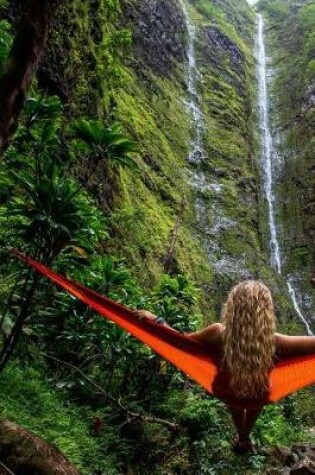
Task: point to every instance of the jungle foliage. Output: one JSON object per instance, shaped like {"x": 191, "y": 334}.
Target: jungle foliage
{"x": 69, "y": 375}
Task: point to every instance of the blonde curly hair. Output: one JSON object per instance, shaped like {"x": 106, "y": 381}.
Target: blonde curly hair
{"x": 248, "y": 340}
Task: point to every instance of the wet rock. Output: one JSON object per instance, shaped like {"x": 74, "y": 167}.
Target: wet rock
{"x": 218, "y": 49}
{"x": 285, "y": 455}
{"x": 221, "y": 42}
{"x": 297, "y": 460}
{"x": 303, "y": 468}
{"x": 309, "y": 101}
{"x": 277, "y": 471}
{"x": 159, "y": 34}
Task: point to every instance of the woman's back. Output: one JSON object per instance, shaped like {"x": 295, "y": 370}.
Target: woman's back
{"x": 285, "y": 345}
{"x": 246, "y": 341}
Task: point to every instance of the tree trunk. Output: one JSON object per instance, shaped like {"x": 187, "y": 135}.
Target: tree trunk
{"x": 24, "y": 452}
{"x": 13, "y": 338}
{"x": 27, "y": 49}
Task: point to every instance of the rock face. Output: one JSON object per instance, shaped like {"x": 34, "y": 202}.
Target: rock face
{"x": 158, "y": 29}
{"x": 309, "y": 101}
{"x": 133, "y": 62}
{"x": 298, "y": 460}
{"x": 23, "y": 452}
{"x": 226, "y": 56}
{"x": 219, "y": 44}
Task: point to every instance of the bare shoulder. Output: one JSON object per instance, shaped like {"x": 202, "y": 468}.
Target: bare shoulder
{"x": 294, "y": 345}
{"x": 215, "y": 328}
{"x": 209, "y": 334}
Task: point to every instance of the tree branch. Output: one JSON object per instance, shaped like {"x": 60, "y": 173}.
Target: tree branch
{"x": 130, "y": 414}
{"x": 6, "y": 468}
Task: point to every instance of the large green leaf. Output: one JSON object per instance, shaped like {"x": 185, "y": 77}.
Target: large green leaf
{"x": 106, "y": 143}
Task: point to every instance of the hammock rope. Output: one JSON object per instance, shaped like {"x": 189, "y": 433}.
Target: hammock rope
{"x": 193, "y": 358}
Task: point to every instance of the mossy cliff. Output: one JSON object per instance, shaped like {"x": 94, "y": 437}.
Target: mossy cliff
{"x": 290, "y": 34}
{"x": 132, "y": 63}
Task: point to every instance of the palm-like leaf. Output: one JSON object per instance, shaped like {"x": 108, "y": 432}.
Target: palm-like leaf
{"x": 45, "y": 108}
{"x": 115, "y": 277}
{"x": 49, "y": 208}
{"x": 43, "y": 121}
{"x": 108, "y": 143}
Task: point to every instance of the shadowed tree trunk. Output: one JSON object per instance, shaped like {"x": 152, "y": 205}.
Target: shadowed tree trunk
{"x": 28, "y": 46}
{"x": 21, "y": 451}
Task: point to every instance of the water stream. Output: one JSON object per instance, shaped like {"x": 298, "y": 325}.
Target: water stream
{"x": 197, "y": 153}
{"x": 267, "y": 146}
{"x": 268, "y": 153}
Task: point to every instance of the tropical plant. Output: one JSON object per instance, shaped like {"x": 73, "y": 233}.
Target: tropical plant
{"x": 48, "y": 215}
{"x": 178, "y": 288}
{"x": 51, "y": 214}
{"x": 101, "y": 142}
{"x": 173, "y": 299}
{"x": 115, "y": 277}
{"x": 43, "y": 120}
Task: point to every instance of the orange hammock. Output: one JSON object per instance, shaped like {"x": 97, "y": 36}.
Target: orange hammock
{"x": 188, "y": 355}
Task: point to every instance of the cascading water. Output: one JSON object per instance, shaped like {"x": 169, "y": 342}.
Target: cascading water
{"x": 267, "y": 147}
{"x": 267, "y": 155}
{"x": 292, "y": 293}
{"x": 210, "y": 216}
{"x": 197, "y": 153}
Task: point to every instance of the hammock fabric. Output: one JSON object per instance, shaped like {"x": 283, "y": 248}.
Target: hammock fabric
{"x": 193, "y": 358}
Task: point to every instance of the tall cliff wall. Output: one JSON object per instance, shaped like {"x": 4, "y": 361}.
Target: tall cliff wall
{"x": 128, "y": 62}
{"x": 291, "y": 45}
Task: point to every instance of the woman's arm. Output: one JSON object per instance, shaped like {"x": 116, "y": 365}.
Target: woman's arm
{"x": 287, "y": 345}
{"x": 146, "y": 314}
{"x": 209, "y": 334}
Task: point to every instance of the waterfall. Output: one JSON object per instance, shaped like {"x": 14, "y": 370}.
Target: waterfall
{"x": 267, "y": 156}
{"x": 197, "y": 153}
{"x": 267, "y": 147}
{"x": 292, "y": 293}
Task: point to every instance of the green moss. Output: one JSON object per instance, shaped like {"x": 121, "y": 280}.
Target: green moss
{"x": 152, "y": 109}
{"x": 231, "y": 225}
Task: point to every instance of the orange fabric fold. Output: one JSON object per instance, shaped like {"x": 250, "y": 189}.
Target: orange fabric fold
{"x": 191, "y": 357}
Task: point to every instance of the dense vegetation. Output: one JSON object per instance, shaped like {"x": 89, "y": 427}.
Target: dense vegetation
{"x": 94, "y": 184}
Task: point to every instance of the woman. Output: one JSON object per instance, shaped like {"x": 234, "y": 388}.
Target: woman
{"x": 247, "y": 344}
